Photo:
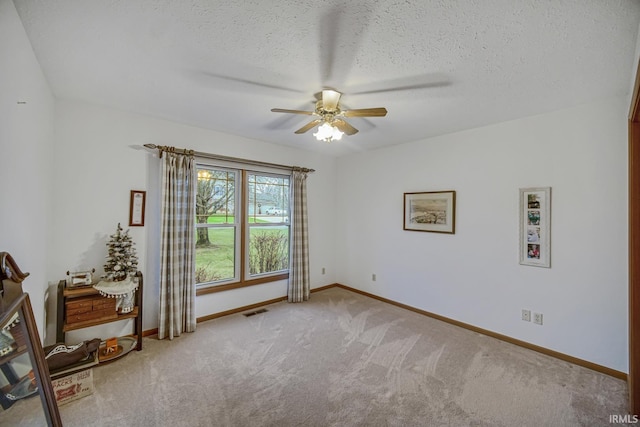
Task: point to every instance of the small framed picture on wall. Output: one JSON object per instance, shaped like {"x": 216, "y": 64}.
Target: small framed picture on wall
{"x": 535, "y": 226}
{"x": 136, "y": 208}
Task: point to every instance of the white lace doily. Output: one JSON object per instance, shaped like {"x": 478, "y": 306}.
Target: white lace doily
{"x": 124, "y": 290}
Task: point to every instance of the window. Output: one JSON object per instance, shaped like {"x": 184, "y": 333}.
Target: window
{"x": 217, "y": 228}
{"x": 268, "y": 223}
{"x": 242, "y": 227}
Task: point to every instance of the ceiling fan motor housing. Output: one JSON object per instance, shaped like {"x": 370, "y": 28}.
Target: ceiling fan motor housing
{"x": 327, "y": 115}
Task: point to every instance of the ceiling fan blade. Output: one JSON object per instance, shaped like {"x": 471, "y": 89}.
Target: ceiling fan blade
{"x": 427, "y": 81}
{"x": 330, "y": 99}
{"x": 366, "y": 112}
{"x": 232, "y": 82}
{"x": 309, "y": 126}
{"x": 285, "y": 121}
{"x": 341, "y": 33}
{"x": 344, "y": 127}
{"x": 282, "y": 110}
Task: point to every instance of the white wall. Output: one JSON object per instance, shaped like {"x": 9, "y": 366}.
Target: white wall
{"x": 26, "y": 147}
{"x": 99, "y": 159}
{"x": 634, "y": 67}
{"x": 474, "y": 276}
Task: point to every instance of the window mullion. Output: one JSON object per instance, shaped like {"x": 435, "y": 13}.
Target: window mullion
{"x": 243, "y": 221}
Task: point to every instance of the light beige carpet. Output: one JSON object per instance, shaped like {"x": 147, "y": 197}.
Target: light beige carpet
{"x": 342, "y": 359}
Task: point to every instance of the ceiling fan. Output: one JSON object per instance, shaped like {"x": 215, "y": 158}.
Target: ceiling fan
{"x": 330, "y": 117}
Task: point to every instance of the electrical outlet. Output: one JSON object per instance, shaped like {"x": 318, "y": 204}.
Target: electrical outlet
{"x": 526, "y": 315}
{"x": 323, "y": 271}
{"x": 537, "y": 318}
{"x": 373, "y": 277}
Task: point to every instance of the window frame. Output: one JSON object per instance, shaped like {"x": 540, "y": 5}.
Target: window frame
{"x": 241, "y": 218}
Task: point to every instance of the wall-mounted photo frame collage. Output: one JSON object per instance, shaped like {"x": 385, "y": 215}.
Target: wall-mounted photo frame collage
{"x": 535, "y": 226}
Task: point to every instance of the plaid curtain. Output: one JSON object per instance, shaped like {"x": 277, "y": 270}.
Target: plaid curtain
{"x": 299, "y": 283}
{"x": 177, "y": 267}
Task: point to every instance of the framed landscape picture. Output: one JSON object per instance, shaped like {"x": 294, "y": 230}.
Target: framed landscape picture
{"x": 433, "y": 211}
{"x": 535, "y": 226}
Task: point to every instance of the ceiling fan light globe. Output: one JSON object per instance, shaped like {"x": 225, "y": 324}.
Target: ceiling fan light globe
{"x": 328, "y": 133}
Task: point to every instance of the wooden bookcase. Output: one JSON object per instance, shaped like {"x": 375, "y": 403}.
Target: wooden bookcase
{"x": 68, "y": 294}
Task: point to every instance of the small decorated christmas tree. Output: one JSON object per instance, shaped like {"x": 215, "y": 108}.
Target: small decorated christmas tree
{"x": 122, "y": 260}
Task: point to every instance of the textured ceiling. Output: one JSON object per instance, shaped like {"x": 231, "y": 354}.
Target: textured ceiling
{"x": 437, "y": 66}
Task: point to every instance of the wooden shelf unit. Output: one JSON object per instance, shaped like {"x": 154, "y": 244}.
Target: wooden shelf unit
{"x": 65, "y": 294}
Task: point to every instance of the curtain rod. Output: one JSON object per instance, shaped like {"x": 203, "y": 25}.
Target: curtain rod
{"x": 163, "y": 148}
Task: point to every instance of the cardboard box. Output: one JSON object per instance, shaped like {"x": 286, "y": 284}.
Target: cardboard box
{"x": 73, "y": 387}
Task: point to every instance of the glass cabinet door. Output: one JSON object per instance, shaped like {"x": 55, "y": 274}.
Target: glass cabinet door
{"x": 26, "y": 393}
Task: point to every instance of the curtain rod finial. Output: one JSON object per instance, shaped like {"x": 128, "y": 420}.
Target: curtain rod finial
{"x": 155, "y": 147}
